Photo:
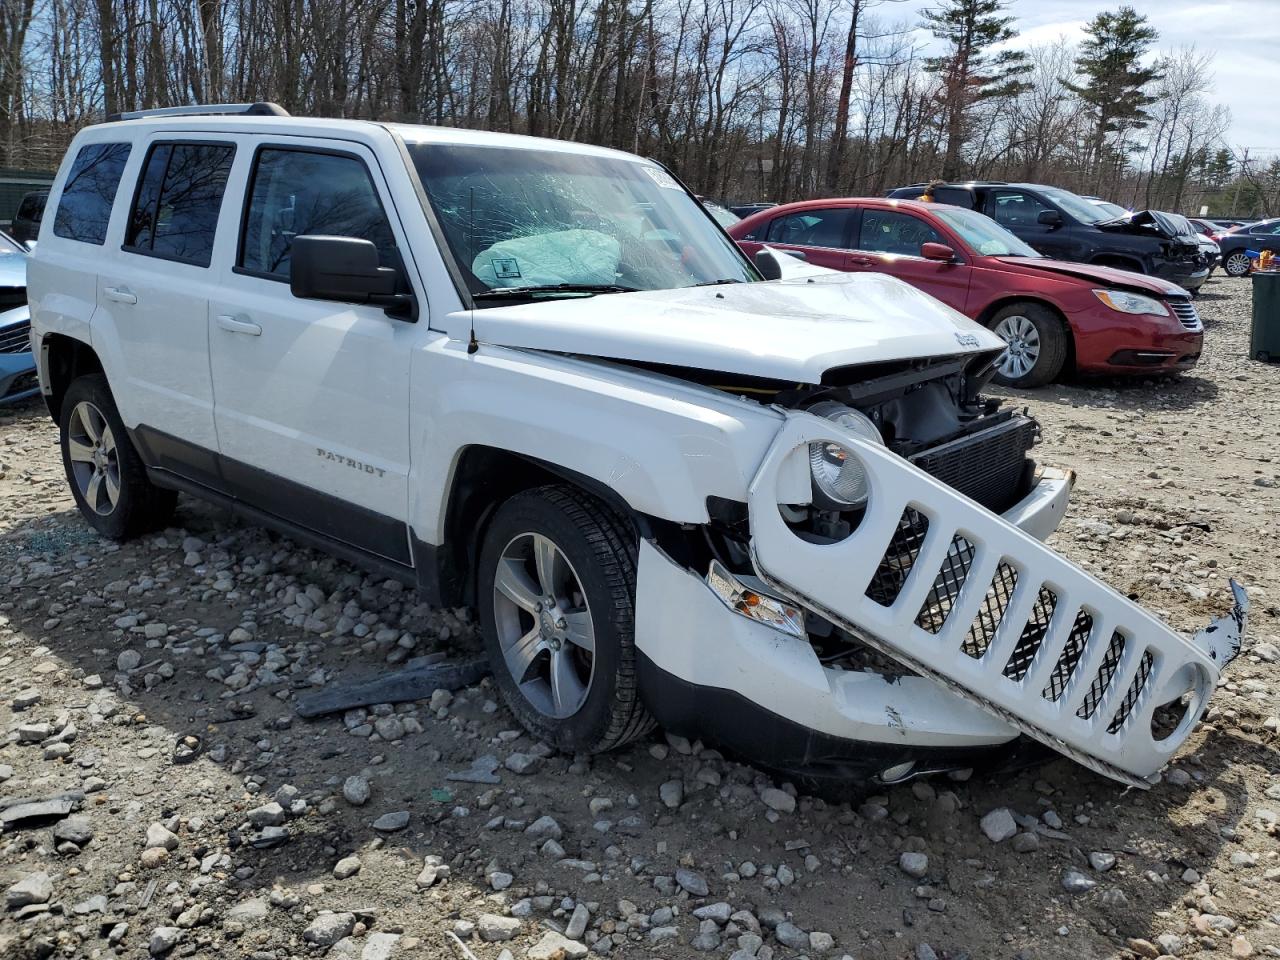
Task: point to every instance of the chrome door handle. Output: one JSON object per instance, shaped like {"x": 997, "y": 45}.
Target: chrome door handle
{"x": 858, "y": 261}
{"x": 120, "y": 294}
{"x": 236, "y": 325}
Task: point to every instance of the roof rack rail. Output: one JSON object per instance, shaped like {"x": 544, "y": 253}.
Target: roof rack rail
{"x": 260, "y": 109}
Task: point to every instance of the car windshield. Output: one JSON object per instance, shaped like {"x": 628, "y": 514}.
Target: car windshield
{"x": 561, "y": 223}
{"x": 726, "y": 218}
{"x": 982, "y": 233}
{"x": 1077, "y": 206}
{"x": 1111, "y": 209}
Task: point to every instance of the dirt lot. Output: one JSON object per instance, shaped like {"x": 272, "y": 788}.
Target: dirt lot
{"x": 274, "y": 841}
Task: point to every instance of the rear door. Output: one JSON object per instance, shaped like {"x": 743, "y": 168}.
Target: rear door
{"x": 889, "y": 241}
{"x": 820, "y": 235}
{"x": 313, "y": 396}
{"x": 153, "y": 294}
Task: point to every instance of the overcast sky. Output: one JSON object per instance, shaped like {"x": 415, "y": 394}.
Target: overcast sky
{"x": 1243, "y": 36}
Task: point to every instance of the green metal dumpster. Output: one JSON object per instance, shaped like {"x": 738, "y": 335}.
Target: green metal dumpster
{"x": 1264, "y": 343}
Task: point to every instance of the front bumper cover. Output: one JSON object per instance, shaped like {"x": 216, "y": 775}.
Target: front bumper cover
{"x": 1014, "y": 628}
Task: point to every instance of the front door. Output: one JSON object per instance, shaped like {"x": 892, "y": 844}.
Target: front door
{"x": 312, "y": 397}
{"x": 889, "y": 241}
{"x": 1019, "y": 212}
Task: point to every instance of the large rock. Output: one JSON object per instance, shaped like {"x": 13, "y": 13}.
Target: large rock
{"x": 494, "y": 928}
{"x": 999, "y": 825}
{"x": 33, "y": 888}
{"x": 556, "y": 946}
{"x": 328, "y": 928}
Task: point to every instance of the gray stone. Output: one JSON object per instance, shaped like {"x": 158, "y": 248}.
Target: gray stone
{"x": 719, "y": 912}
{"x": 128, "y": 660}
{"x": 158, "y": 835}
{"x": 33, "y": 888}
{"x": 692, "y": 882}
{"x": 914, "y": 864}
{"x": 391, "y": 822}
{"x": 522, "y": 763}
{"x": 821, "y": 942}
{"x": 999, "y": 825}
{"x": 577, "y": 924}
{"x": 1102, "y": 862}
{"x": 163, "y": 939}
{"x": 268, "y": 815}
{"x": 789, "y": 935}
{"x": 672, "y": 793}
{"x": 556, "y": 946}
{"x": 328, "y": 928}
{"x": 1073, "y": 881}
{"x": 77, "y": 830}
{"x": 249, "y": 912}
{"x": 544, "y": 828}
{"x": 346, "y": 867}
{"x": 779, "y": 800}
{"x": 493, "y": 928}
{"x": 355, "y": 790}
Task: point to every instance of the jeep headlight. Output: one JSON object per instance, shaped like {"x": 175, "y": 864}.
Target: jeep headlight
{"x": 839, "y": 479}
{"x": 1131, "y": 302}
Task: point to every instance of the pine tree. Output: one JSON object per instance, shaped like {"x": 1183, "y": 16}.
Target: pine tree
{"x": 1114, "y": 79}
{"x": 971, "y": 71}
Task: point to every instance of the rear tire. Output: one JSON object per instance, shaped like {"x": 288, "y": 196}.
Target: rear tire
{"x": 107, "y": 477}
{"x": 1236, "y": 264}
{"x": 556, "y": 591}
{"x": 1038, "y": 345}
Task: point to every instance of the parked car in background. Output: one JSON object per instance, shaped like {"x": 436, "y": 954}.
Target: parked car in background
{"x": 1054, "y": 315}
{"x": 26, "y": 221}
{"x": 1236, "y": 244}
{"x": 747, "y": 209}
{"x": 17, "y": 365}
{"x": 1066, "y": 226}
{"x": 721, "y": 215}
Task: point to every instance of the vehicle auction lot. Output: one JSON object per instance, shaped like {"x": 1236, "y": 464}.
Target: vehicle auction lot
{"x": 215, "y": 628}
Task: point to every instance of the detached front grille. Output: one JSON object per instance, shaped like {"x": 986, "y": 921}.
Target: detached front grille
{"x": 16, "y": 339}
{"x": 987, "y": 466}
{"x": 1186, "y": 313}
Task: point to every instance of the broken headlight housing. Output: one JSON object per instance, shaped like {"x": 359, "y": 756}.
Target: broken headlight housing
{"x": 839, "y": 479}
{"x": 740, "y": 594}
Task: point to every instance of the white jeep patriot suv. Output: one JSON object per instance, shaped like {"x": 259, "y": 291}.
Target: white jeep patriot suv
{"x": 753, "y": 501}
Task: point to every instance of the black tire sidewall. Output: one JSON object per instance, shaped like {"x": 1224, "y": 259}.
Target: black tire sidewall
{"x": 118, "y": 524}
{"x": 1053, "y": 344}
{"x": 531, "y": 512}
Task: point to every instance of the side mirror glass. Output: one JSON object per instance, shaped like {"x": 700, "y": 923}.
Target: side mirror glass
{"x": 937, "y": 251}
{"x": 344, "y": 269}
{"x": 767, "y": 263}
{"x": 1049, "y": 218}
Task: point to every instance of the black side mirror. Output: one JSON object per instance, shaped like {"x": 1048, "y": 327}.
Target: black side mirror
{"x": 1050, "y": 218}
{"x": 766, "y": 262}
{"x": 344, "y": 269}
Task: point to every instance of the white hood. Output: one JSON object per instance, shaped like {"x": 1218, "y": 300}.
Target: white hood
{"x": 791, "y": 329}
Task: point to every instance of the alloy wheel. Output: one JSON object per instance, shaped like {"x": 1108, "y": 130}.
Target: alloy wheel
{"x": 95, "y": 460}
{"x": 544, "y": 625}
{"x": 1023, "y": 347}
{"x": 1237, "y": 264}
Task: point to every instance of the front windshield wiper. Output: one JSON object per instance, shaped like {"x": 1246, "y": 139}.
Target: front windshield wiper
{"x": 510, "y": 293}
{"x": 716, "y": 283}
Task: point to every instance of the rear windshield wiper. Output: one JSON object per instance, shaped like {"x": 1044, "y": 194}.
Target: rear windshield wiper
{"x": 515, "y": 293}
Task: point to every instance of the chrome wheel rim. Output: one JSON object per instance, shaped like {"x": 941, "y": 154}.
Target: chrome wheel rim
{"x": 1022, "y": 349}
{"x": 95, "y": 460}
{"x": 1238, "y": 264}
{"x": 544, "y": 625}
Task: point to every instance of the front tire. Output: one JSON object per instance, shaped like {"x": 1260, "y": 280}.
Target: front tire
{"x": 556, "y": 588}
{"x": 1237, "y": 264}
{"x": 107, "y": 477}
{"x": 1037, "y": 344}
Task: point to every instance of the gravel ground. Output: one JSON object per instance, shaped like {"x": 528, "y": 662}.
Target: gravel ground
{"x": 345, "y": 836}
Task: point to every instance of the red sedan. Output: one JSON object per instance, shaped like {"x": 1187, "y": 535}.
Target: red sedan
{"x": 1053, "y": 314}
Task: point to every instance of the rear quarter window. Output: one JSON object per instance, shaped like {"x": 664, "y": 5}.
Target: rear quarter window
{"x": 84, "y": 209}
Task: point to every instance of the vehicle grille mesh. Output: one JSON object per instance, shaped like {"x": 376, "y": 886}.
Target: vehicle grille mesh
{"x": 1134, "y": 692}
{"x": 898, "y": 560}
{"x": 986, "y": 466}
{"x": 1072, "y": 651}
{"x": 16, "y": 339}
{"x": 1033, "y": 634}
{"x": 1186, "y": 313}
{"x": 983, "y": 629}
{"x": 942, "y": 597}
{"x": 1106, "y": 671}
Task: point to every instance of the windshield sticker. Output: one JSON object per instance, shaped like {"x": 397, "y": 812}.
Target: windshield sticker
{"x": 662, "y": 178}
{"x": 506, "y": 268}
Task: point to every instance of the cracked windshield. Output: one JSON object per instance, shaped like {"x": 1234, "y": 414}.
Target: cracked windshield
{"x": 528, "y": 224}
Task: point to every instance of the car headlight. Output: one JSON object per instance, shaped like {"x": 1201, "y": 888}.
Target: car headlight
{"x": 839, "y": 478}
{"x": 1131, "y": 302}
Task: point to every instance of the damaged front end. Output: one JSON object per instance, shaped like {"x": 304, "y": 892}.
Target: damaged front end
{"x": 1181, "y": 258}
{"x": 962, "y": 596}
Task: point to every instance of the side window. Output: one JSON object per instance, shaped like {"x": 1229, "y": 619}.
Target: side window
{"x": 890, "y": 231}
{"x": 85, "y": 206}
{"x": 294, "y": 193}
{"x": 1267, "y": 229}
{"x": 175, "y": 210}
{"x": 1013, "y": 208}
{"x": 812, "y": 228}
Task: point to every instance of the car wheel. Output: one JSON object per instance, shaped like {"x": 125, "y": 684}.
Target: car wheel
{"x": 1236, "y": 264}
{"x": 1037, "y": 344}
{"x": 107, "y": 477}
{"x": 556, "y": 588}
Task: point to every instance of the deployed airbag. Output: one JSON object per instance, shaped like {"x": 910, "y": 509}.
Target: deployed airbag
{"x": 565, "y": 256}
